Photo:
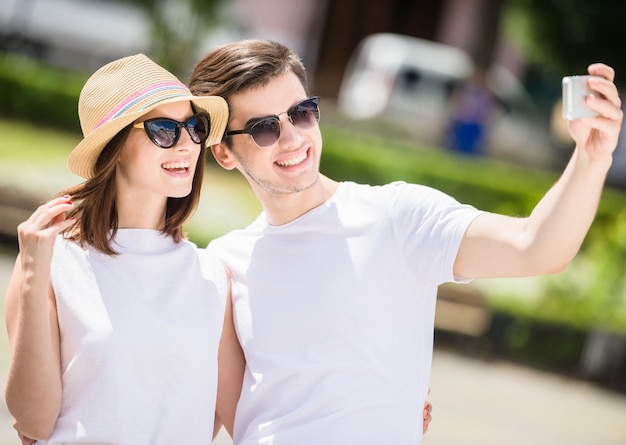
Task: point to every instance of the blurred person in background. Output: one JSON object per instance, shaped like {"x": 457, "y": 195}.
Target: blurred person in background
{"x": 114, "y": 322}
{"x": 334, "y": 284}
{"x": 473, "y": 107}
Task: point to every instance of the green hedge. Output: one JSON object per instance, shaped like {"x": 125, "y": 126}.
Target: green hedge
{"x": 485, "y": 183}
{"x": 39, "y": 94}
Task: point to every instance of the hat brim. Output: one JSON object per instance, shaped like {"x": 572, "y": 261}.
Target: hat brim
{"x": 82, "y": 159}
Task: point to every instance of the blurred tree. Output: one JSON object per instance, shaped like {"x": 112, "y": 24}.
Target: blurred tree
{"x": 488, "y": 31}
{"x": 177, "y": 30}
{"x": 565, "y": 36}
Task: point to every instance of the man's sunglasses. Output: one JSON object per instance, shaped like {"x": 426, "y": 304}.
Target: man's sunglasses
{"x": 266, "y": 131}
{"x": 165, "y": 133}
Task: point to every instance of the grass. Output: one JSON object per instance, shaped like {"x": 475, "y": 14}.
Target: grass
{"x": 34, "y": 158}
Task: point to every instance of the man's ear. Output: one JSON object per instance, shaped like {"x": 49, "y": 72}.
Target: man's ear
{"x": 223, "y": 155}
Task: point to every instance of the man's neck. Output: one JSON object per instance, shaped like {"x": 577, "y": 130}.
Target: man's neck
{"x": 284, "y": 208}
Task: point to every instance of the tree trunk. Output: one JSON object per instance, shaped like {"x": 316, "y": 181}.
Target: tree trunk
{"x": 488, "y": 32}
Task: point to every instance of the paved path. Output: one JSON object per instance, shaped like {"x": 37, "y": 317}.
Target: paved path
{"x": 477, "y": 402}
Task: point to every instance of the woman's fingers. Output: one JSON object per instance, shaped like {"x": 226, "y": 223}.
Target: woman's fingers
{"x": 48, "y": 215}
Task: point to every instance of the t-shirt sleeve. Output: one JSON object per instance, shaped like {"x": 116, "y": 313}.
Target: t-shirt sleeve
{"x": 213, "y": 269}
{"x": 429, "y": 226}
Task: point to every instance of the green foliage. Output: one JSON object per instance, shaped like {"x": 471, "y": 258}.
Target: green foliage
{"x": 177, "y": 30}
{"x": 565, "y": 36}
{"x": 591, "y": 293}
{"x": 541, "y": 343}
{"x": 39, "y": 94}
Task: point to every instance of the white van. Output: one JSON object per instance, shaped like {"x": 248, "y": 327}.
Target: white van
{"x": 410, "y": 81}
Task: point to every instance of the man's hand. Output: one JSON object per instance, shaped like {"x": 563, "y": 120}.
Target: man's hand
{"x": 597, "y": 136}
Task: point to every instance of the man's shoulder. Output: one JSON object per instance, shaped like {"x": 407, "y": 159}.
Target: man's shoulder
{"x": 236, "y": 235}
{"x": 386, "y": 191}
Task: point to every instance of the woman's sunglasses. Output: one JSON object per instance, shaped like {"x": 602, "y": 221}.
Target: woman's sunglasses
{"x": 165, "y": 133}
{"x": 266, "y": 131}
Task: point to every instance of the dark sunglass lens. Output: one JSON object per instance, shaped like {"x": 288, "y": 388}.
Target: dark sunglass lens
{"x": 266, "y": 132}
{"x": 163, "y": 133}
{"x": 305, "y": 114}
{"x": 199, "y": 128}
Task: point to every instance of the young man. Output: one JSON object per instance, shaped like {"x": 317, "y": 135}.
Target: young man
{"x": 334, "y": 284}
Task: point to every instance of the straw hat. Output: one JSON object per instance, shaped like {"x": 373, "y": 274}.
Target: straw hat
{"x": 124, "y": 90}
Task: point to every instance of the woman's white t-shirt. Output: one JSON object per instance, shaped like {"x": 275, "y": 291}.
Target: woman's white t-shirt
{"x": 139, "y": 339}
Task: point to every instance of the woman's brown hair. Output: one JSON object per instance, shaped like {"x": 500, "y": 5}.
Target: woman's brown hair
{"x": 94, "y": 201}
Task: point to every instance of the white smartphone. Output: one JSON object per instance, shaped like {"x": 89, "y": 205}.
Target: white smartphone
{"x": 575, "y": 90}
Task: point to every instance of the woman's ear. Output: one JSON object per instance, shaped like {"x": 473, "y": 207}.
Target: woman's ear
{"x": 223, "y": 155}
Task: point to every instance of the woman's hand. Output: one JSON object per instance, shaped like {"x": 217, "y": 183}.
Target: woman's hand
{"x": 36, "y": 235}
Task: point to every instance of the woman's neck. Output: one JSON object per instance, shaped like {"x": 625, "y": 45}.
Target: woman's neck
{"x": 147, "y": 212}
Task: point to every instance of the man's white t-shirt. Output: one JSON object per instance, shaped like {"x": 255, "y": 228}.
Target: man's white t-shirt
{"x": 335, "y": 314}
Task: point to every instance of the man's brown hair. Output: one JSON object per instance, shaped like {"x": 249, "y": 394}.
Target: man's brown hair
{"x": 242, "y": 65}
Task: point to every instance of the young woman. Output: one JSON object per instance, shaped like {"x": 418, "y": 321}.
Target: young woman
{"x": 114, "y": 326}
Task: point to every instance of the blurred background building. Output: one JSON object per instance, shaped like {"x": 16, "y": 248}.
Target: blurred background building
{"x": 87, "y": 33}
{"x": 72, "y": 33}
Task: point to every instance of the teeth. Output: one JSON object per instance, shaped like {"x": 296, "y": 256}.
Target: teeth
{"x": 293, "y": 161}
{"x": 176, "y": 165}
